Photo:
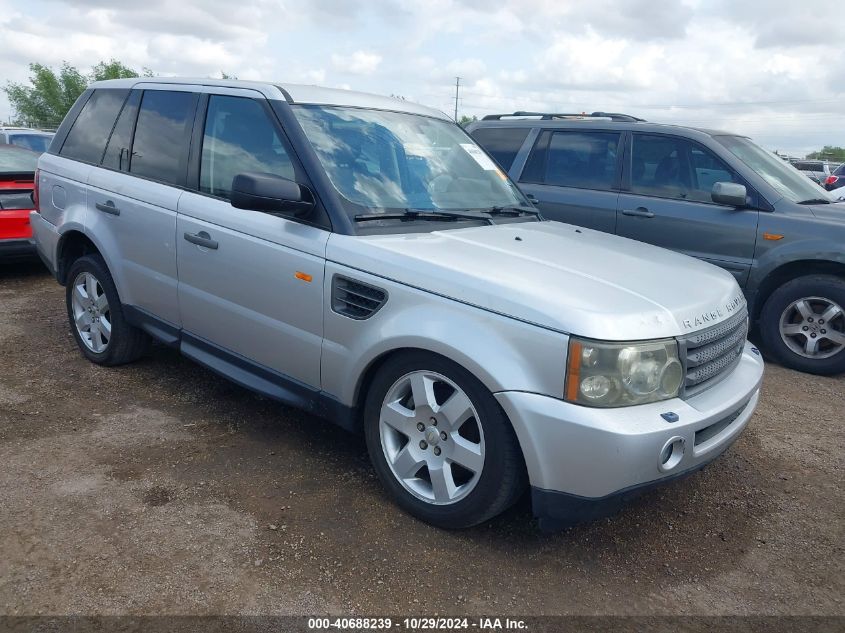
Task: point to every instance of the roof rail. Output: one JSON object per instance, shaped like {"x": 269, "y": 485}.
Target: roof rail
{"x": 548, "y": 116}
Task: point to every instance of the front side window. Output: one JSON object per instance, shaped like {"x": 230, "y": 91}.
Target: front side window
{"x": 239, "y": 137}
{"x": 86, "y": 140}
{"x": 581, "y": 159}
{"x": 162, "y": 135}
{"x": 383, "y": 161}
{"x": 673, "y": 167}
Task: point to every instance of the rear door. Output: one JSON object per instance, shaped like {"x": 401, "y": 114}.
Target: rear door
{"x": 573, "y": 176}
{"x": 669, "y": 181}
{"x": 252, "y": 296}
{"x": 132, "y": 197}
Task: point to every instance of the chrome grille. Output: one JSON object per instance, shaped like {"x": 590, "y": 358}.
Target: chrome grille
{"x": 711, "y": 354}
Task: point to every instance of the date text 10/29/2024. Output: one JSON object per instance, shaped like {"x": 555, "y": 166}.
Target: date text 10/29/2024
{"x": 418, "y": 624}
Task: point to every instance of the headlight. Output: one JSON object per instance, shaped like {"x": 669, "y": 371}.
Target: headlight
{"x": 622, "y": 374}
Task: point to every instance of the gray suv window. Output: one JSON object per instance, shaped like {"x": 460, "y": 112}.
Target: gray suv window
{"x": 672, "y": 167}
{"x": 502, "y": 143}
{"x": 162, "y": 135}
{"x": 86, "y": 140}
{"x": 585, "y": 160}
{"x": 120, "y": 143}
{"x": 239, "y": 137}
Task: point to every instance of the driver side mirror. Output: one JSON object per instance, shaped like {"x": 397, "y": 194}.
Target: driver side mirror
{"x": 271, "y": 194}
{"x": 729, "y": 193}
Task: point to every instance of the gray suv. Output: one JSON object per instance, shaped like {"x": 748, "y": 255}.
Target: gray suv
{"x": 362, "y": 258}
{"x": 713, "y": 195}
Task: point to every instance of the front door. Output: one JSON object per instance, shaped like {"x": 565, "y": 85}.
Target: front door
{"x": 668, "y": 203}
{"x": 250, "y": 283}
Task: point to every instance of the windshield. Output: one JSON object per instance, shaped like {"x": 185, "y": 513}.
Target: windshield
{"x": 788, "y": 181}
{"x": 382, "y": 161}
{"x": 35, "y": 142}
{"x": 14, "y": 160}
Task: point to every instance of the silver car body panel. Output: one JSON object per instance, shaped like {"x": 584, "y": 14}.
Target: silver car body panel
{"x": 244, "y": 296}
{"x": 557, "y": 276}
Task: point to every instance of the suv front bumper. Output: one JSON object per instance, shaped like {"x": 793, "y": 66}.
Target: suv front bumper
{"x": 584, "y": 463}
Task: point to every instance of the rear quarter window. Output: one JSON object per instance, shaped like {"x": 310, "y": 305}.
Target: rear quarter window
{"x": 86, "y": 140}
{"x": 501, "y": 143}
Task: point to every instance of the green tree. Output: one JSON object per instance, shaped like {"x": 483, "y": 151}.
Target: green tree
{"x": 50, "y": 94}
{"x": 466, "y": 120}
{"x": 829, "y": 152}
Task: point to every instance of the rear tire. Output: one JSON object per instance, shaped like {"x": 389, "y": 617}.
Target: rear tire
{"x": 96, "y": 315}
{"x": 803, "y": 324}
{"x": 453, "y": 461}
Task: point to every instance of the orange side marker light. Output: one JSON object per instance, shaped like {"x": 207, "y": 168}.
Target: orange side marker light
{"x": 303, "y": 276}
{"x": 773, "y": 237}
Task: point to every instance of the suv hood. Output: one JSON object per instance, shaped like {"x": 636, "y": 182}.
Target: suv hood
{"x": 834, "y": 211}
{"x": 558, "y": 276}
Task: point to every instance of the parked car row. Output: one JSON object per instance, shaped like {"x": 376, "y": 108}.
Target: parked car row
{"x": 816, "y": 170}
{"x": 17, "y": 176}
{"x": 363, "y": 258}
{"x": 712, "y": 195}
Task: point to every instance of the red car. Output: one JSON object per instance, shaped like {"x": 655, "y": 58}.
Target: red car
{"x": 17, "y": 179}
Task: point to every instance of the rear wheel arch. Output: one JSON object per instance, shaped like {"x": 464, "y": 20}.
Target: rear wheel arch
{"x": 72, "y": 245}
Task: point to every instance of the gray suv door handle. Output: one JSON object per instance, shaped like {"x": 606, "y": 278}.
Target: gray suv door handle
{"x": 108, "y": 207}
{"x": 201, "y": 239}
{"x": 640, "y": 212}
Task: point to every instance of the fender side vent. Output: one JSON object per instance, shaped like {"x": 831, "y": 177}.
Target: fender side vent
{"x": 354, "y": 299}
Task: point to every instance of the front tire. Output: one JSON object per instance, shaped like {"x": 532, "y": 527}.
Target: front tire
{"x": 96, "y": 315}
{"x": 803, "y": 324}
{"x": 440, "y": 443}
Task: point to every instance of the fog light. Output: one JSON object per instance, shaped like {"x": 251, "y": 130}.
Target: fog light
{"x": 671, "y": 454}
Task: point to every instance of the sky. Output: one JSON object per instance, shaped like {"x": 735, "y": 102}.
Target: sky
{"x": 771, "y": 70}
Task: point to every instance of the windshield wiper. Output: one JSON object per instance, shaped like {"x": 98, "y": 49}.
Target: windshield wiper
{"x": 512, "y": 211}
{"x": 816, "y": 201}
{"x": 418, "y": 214}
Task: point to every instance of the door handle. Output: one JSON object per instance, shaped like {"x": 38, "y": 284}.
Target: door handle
{"x": 108, "y": 207}
{"x": 201, "y": 239}
{"x": 640, "y": 212}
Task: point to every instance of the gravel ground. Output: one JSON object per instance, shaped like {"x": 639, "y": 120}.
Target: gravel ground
{"x": 160, "y": 488}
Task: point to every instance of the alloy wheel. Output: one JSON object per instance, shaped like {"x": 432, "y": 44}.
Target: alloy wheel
{"x": 432, "y": 437}
{"x": 813, "y": 327}
{"x": 91, "y": 314}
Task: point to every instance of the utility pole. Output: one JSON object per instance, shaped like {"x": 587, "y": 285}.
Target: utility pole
{"x": 457, "y": 88}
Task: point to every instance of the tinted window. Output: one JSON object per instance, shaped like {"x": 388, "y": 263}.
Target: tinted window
{"x": 840, "y": 171}
{"x": 672, "y": 167}
{"x": 239, "y": 137}
{"x": 585, "y": 160}
{"x": 120, "y": 143}
{"x": 86, "y": 140}
{"x": 501, "y": 143}
{"x": 16, "y": 160}
{"x": 162, "y": 134}
{"x": 33, "y": 142}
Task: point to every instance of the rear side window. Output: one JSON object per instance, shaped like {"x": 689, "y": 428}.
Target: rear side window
{"x": 239, "y": 137}
{"x": 840, "y": 171}
{"x": 502, "y": 143}
{"x": 585, "y": 160}
{"x": 162, "y": 135}
{"x": 117, "y": 151}
{"x": 86, "y": 140}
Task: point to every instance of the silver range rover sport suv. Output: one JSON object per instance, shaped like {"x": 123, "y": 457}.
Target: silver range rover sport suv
{"x": 362, "y": 258}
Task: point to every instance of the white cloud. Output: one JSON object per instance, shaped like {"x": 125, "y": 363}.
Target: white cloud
{"x": 773, "y": 69}
{"x": 358, "y": 63}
